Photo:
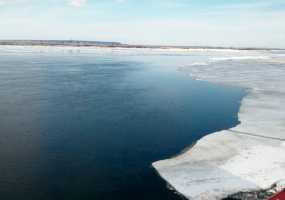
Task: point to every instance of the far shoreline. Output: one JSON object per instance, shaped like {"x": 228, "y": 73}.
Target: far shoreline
{"x": 102, "y": 44}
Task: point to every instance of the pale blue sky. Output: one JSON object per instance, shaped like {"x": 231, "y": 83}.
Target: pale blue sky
{"x": 259, "y": 23}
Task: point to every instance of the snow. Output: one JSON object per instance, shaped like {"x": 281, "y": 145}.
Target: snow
{"x": 250, "y": 156}
{"x": 113, "y": 50}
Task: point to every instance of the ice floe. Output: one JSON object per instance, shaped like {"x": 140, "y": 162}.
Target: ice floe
{"x": 250, "y": 156}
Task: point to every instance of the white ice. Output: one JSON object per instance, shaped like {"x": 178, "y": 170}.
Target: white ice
{"x": 250, "y": 156}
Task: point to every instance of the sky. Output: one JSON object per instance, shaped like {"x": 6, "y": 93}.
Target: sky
{"x": 237, "y": 23}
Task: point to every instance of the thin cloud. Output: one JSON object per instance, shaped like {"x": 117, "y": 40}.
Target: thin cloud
{"x": 5, "y": 2}
{"x": 120, "y": 1}
{"x": 77, "y": 3}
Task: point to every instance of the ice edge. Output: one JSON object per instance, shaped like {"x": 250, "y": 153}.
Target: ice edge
{"x": 245, "y": 162}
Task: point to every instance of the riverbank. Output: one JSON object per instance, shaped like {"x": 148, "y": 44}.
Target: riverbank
{"x": 111, "y": 44}
{"x": 248, "y": 157}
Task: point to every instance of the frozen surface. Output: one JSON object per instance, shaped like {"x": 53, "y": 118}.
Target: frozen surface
{"x": 250, "y": 156}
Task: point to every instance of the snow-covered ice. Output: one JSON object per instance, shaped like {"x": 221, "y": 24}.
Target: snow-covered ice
{"x": 250, "y": 156}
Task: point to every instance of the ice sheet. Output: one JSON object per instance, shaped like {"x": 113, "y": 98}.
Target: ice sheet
{"x": 250, "y": 156}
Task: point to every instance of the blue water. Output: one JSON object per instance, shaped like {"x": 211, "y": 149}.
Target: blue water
{"x": 88, "y": 126}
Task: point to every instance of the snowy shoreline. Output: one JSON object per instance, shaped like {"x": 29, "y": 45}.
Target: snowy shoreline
{"x": 248, "y": 157}
{"x": 127, "y": 49}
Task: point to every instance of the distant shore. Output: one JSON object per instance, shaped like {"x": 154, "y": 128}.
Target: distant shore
{"x": 81, "y": 43}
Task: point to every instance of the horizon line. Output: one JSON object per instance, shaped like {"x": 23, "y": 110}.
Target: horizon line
{"x": 99, "y": 43}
